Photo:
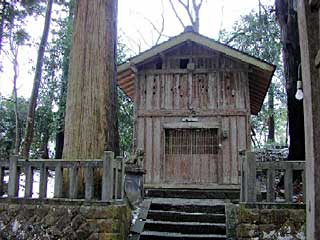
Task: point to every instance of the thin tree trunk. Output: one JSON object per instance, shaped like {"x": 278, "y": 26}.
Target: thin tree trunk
{"x": 287, "y": 19}
{"x": 44, "y": 145}
{"x": 4, "y": 5}
{"x": 271, "y": 128}
{"x": 16, "y": 108}
{"x": 36, "y": 84}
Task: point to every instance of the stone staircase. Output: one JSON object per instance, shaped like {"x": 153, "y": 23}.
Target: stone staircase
{"x": 185, "y": 219}
{"x": 183, "y": 214}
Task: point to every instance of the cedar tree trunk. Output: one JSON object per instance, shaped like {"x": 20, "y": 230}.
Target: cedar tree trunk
{"x": 271, "y": 127}
{"x": 287, "y": 18}
{"x": 91, "y": 123}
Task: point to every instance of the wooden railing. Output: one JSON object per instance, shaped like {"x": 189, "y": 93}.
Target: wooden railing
{"x": 66, "y": 177}
{"x": 250, "y": 167}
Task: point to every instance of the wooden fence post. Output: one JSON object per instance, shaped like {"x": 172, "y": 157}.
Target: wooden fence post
{"x": 13, "y": 177}
{"x": 29, "y": 181}
{"x": 242, "y": 157}
{"x": 288, "y": 184}
{"x": 88, "y": 176}
{"x": 1, "y": 180}
{"x": 107, "y": 176}
{"x": 122, "y": 178}
{"x": 73, "y": 182}
{"x": 43, "y": 181}
{"x": 250, "y": 176}
{"x": 270, "y": 184}
{"x": 58, "y": 181}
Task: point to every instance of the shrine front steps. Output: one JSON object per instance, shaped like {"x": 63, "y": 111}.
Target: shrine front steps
{"x": 232, "y": 195}
{"x": 174, "y": 218}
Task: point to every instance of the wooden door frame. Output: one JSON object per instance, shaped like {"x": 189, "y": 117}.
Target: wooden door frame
{"x": 190, "y": 125}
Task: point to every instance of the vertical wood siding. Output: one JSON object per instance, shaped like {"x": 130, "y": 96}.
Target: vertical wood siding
{"x": 218, "y": 83}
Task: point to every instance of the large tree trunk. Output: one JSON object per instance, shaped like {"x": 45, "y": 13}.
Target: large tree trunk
{"x": 287, "y": 19}
{"x": 36, "y": 84}
{"x": 91, "y": 123}
{"x": 271, "y": 127}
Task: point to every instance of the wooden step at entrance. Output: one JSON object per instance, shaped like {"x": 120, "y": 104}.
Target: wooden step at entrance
{"x": 174, "y": 236}
{"x": 231, "y": 194}
{"x": 185, "y": 227}
{"x": 177, "y": 216}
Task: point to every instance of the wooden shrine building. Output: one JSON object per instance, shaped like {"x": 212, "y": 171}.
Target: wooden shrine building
{"x": 193, "y": 98}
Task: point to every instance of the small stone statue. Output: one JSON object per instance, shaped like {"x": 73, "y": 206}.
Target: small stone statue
{"x": 137, "y": 158}
{"x": 134, "y": 178}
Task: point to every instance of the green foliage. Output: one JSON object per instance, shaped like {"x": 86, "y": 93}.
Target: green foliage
{"x": 52, "y": 94}
{"x": 50, "y": 112}
{"x": 258, "y": 34}
{"x": 7, "y": 123}
{"x": 125, "y": 118}
{"x": 125, "y": 108}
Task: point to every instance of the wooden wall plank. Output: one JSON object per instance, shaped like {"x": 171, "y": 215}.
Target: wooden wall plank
{"x": 140, "y": 133}
{"x": 234, "y": 150}
{"x": 168, "y": 91}
{"x": 184, "y": 91}
{"x": 142, "y": 92}
{"x": 211, "y": 91}
{"x": 162, "y": 91}
{"x": 149, "y": 150}
{"x": 226, "y": 156}
{"x": 149, "y": 91}
{"x": 156, "y": 149}
{"x": 156, "y": 92}
{"x": 176, "y": 91}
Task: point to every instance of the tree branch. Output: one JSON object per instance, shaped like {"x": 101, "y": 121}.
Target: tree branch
{"x": 235, "y": 36}
{"x": 187, "y": 8}
{"x": 177, "y": 15}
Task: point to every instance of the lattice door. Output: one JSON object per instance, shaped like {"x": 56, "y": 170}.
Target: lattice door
{"x": 191, "y": 155}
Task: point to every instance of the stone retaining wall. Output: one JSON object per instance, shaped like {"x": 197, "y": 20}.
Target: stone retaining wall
{"x": 269, "y": 221}
{"x": 55, "y": 219}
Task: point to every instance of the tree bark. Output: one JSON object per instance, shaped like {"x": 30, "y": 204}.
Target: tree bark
{"x": 271, "y": 128}
{"x": 63, "y": 88}
{"x": 4, "y": 5}
{"x": 36, "y": 84}
{"x": 91, "y": 125}
{"x": 287, "y": 19}
{"x": 16, "y": 108}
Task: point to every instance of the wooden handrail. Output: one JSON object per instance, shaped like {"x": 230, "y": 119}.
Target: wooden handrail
{"x": 250, "y": 167}
{"x": 111, "y": 168}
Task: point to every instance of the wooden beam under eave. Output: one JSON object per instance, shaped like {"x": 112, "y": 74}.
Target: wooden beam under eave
{"x": 124, "y": 74}
{"x": 126, "y": 79}
{"x": 130, "y": 89}
{"x": 131, "y": 95}
{"x": 126, "y": 84}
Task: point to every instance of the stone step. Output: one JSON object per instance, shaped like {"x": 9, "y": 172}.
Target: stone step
{"x": 175, "y": 216}
{"x": 189, "y": 208}
{"x": 154, "y": 235}
{"x": 230, "y": 194}
{"x": 185, "y": 227}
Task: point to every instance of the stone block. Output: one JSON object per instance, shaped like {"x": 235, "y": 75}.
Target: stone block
{"x": 84, "y": 231}
{"x": 245, "y": 230}
{"x": 109, "y": 236}
{"x": 248, "y": 215}
{"x": 77, "y": 221}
